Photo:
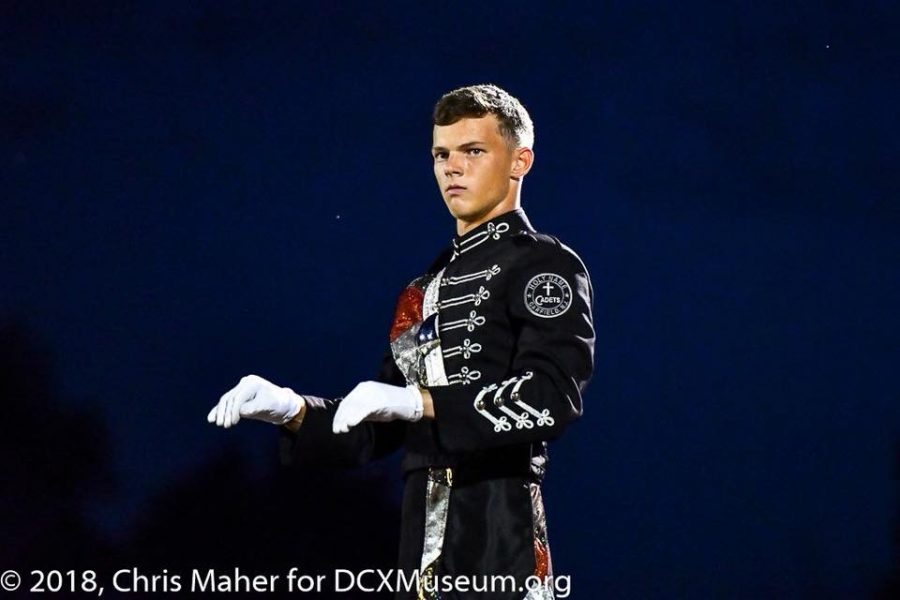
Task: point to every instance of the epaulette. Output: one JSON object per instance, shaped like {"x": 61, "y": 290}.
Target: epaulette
{"x": 526, "y": 237}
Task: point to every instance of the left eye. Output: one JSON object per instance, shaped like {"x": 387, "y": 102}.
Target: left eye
{"x": 475, "y": 151}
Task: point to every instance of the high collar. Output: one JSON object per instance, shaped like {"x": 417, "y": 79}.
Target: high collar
{"x": 489, "y": 232}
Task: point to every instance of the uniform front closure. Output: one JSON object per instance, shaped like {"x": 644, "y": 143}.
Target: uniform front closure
{"x": 473, "y": 326}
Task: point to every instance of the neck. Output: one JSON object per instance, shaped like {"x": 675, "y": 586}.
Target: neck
{"x": 511, "y": 202}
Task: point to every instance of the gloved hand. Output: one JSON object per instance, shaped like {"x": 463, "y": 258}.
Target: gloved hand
{"x": 373, "y": 401}
{"x": 255, "y": 398}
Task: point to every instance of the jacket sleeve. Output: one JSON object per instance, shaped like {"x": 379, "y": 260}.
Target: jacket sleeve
{"x": 549, "y": 306}
{"x": 315, "y": 443}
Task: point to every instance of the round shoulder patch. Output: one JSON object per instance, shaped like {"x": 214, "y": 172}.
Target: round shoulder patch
{"x": 548, "y": 295}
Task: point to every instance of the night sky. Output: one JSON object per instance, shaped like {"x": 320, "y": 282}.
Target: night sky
{"x": 192, "y": 192}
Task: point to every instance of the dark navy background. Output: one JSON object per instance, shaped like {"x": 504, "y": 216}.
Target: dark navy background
{"x": 196, "y": 191}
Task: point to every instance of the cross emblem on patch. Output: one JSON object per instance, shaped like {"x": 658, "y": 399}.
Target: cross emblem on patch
{"x": 548, "y": 295}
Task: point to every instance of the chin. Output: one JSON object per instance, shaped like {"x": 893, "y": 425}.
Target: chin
{"x": 465, "y": 215}
{"x": 458, "y": 209}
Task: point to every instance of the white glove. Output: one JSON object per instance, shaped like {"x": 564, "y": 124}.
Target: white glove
{"x": 373, "y": 401}
{"x": 255, "y": 398}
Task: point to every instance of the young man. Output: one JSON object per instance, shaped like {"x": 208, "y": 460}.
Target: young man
{"x": 490, "y": 351}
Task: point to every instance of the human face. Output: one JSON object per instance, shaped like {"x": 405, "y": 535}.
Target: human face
{"x": 474, "y": 168}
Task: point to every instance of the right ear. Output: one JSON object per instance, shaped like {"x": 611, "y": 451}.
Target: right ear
{"x": 523, "y": 158}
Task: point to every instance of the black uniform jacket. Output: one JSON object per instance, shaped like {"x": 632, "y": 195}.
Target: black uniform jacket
{"x": 505, "y": 314}
{"x": 516, "y": 348}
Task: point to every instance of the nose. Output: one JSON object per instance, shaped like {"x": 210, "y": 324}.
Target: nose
{"x": 453, "y": 165}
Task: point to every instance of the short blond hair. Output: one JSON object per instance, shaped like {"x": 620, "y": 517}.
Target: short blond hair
{"x": 475, "y": 101}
